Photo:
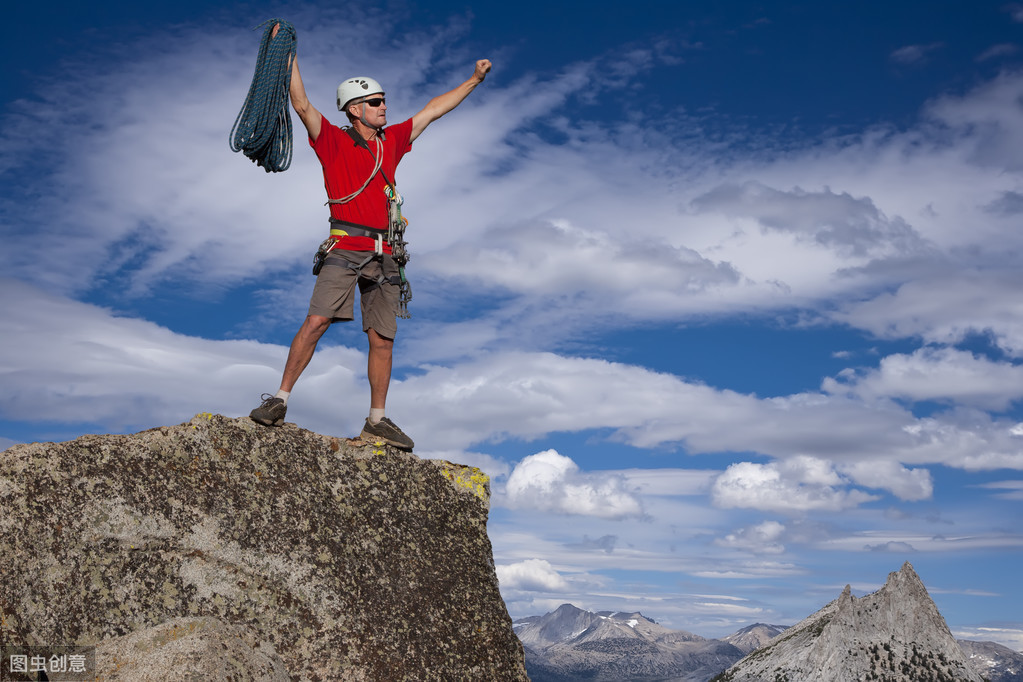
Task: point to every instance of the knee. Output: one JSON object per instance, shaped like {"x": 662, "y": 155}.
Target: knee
{"x": 315, "y": 325}
{"x": 379, "y": 344}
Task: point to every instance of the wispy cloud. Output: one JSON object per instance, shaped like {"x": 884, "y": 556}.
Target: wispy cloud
{"x": 914, "y": 54}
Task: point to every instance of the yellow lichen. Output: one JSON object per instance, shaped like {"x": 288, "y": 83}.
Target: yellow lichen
{"x": 471, "y": 478}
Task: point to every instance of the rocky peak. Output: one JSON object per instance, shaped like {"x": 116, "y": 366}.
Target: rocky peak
{"x": 572, "y": 644}
{"x": 895, "y": 634}
{"x": 754, "y": 636}
{"x": 274, "y": 553}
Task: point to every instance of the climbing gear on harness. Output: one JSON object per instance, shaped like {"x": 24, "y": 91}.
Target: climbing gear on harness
{"x": 354, "y": 88}
{"x": 396, "y": 224}
{"x": 321, "y": 254}
{"x": 262, "y": 130}
{"x": 374, "y": 281}
{"x": 395, "y": 232}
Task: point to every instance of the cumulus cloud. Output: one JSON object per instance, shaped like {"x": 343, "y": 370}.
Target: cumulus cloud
{"x": 793, "y": 486}
{"x": 532, "y": 574}
{"x": 548, "y": 481}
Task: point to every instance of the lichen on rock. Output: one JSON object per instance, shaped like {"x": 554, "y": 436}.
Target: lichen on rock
{"x": 345, "y": 561}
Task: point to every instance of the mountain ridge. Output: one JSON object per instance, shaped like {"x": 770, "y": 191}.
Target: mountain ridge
{"x": 571, "y": 645}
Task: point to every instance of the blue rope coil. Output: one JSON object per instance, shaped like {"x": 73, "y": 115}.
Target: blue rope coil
{"x": 262, "y": 130}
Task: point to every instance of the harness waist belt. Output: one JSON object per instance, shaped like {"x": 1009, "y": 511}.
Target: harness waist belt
{"x": 394, "y": 280}
{"x": 343, "y": 228}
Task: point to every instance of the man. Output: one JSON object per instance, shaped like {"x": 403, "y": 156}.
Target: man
{"x": 358, "y": 172}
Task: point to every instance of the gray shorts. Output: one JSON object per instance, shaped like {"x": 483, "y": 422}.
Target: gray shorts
{"x": 334, "y": 294}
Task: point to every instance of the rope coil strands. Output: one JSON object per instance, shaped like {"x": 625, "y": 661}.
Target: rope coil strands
{"x": 262, "y": 130}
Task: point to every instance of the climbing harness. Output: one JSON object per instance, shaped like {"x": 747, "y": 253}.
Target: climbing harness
{"x": 394, "y": 235}
{"x": 262, "y": 130}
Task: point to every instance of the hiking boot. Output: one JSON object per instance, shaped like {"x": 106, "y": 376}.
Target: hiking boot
{"x": 271, "y": 412}
{"x": 388, "y": 432}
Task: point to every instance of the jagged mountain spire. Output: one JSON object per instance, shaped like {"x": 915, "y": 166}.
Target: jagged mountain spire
{"x": 893, "y": 635}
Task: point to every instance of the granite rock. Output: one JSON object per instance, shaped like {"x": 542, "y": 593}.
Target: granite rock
{"x": 314, "y": 557}
{"x": 893, "y": 635}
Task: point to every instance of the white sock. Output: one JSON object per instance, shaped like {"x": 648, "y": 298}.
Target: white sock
{"x": 283, "y": 395}
{"x": 375, "y": 414}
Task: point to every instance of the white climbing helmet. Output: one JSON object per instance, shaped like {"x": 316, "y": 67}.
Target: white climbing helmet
{"x": 354, "y": 88}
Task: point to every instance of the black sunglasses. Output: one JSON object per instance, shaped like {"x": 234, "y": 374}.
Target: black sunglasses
{"x": 374, "y": 102}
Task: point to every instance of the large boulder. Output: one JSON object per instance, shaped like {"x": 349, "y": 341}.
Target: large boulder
{"x": 309, "y": 556}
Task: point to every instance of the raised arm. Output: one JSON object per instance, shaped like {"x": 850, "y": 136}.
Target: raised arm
{"x": 442, "y": 104}
{"x": 311, "y": 118}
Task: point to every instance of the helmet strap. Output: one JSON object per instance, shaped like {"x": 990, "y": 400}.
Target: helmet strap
{"x": 362, "y": 117}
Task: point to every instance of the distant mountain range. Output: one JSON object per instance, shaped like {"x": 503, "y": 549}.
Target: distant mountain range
{"x": 570, "y": 644}
{"x": 893, "y": 635}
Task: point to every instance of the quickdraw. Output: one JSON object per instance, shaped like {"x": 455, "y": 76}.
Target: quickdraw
{"x": 399, "y": 247}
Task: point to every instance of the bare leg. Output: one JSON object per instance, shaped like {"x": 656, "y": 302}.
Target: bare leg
{"x": 378, "y": 368}
{"x": 302, "y": 347}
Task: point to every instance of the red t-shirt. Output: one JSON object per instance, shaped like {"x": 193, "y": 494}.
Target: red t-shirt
{"x": 346, "y": 166}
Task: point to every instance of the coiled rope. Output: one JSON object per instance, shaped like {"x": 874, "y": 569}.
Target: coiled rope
{"x": 262, "y": 130}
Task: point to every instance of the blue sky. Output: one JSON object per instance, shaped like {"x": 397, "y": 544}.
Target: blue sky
{"x": 724, "y": 299}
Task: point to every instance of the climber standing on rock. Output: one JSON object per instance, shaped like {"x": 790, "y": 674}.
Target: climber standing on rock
{"x": 359, "y": 162}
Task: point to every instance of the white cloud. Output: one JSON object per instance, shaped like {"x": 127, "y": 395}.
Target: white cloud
{"x": 996, "y": 51}
{"x": 893, "y": 547}
{"x": 885, "y": 474}
{"x": 914, "y": 54}
{"x": 868, "y": 541}
{"x": 1013, "y": 490}
{"x": 129, "y": 373}
{"x": 943, "y": 310}
{"x": 851, "y": 226}
{"x": 1008, "y": 637}
{"x": 548, "y": 481}
{"x": 821, "y": 227}
{"x": 936, "y": 373}
{"x": 736, "y": 570}
{"x": 793, "y": 486}
{"x": 533, "y": 575}
{"x": 67, "y": 361}
{"x": 763, "y": 538}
